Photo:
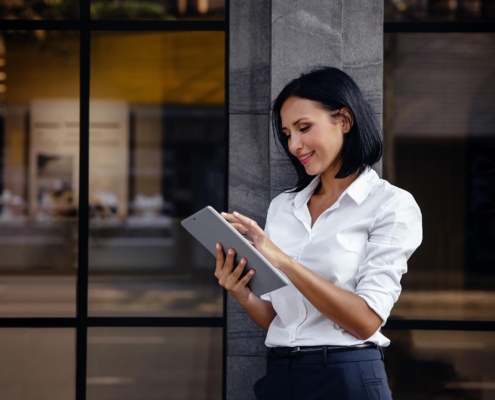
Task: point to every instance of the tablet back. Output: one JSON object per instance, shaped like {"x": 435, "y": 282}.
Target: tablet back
{"x": 209, "y": 227}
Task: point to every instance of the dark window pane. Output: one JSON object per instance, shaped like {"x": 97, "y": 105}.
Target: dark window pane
{"x": 440, "y": 146}
{"x": 157, "y": 155}
{"x": 439, "y": 10}
{"x": 39, "y": 9}
{"x": 158, "y": 9}
{"x": 154, "y": 363}
{"x": 39, "y": 140}
{"x": 37, "y": 364}
{"x": 440, "y": 365}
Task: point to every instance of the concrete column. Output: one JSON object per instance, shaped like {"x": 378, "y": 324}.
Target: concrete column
{"x": 272, "y": 42}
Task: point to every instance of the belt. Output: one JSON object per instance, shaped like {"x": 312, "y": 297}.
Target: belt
{"x": 279, "y": 352}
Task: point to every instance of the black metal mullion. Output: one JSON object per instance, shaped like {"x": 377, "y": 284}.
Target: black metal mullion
{"x": 218, "y": 322}
{"x": 113, "y": 322}
{"x": 46, "y": 25}
{"x": 82, "y": 271}
{"x": 150, "y": 322}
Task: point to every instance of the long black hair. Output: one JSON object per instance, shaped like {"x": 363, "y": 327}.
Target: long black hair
{"x": 334, "y": 89}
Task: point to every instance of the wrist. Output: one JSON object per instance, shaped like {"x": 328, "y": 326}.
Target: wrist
{"x": 244, "y": 300}
{"x": 287, "y": 265}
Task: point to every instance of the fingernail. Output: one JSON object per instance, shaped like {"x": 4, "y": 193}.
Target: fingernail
{"x": 251, "y": 222}
{"x": 224, "y": 213}
{"x": 218, "y": 246}
{"x": 243, "y": 261}
{"x": 231, "y": 251}
{"x": 251, "y": 272}
{"x": 235, "y": 213}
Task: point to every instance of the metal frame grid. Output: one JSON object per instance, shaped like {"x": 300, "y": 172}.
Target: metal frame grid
{"x": 82, "y": 322}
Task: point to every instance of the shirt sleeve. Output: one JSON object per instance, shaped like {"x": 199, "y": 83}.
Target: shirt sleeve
{"x": 396, "y": 234}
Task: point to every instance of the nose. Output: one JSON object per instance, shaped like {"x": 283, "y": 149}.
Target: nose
{"x": 295, "y": 144}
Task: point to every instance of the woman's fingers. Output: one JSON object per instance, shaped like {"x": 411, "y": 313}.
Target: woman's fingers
{"x": 227, "y": 266}
{"x": 220, "y": 260}
{"x": 239, "y": 227}
{"x": 250, "y": 225}
{"x": 238, "y": 271}
{"x": 246, "y": 278}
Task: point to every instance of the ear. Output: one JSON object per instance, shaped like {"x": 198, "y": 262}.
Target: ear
{"x": 347, "y": 119}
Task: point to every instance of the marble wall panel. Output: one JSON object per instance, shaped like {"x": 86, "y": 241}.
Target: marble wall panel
{"x": 244, "y": 337}
{"x": 363, "y": 47}
{"x": 249, "y": 179}
{"x": 249, "y": 75}
{"x": 305, "y": 34}
{"x": 242, "y": 373}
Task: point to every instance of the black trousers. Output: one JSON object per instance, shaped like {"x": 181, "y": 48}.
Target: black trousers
{"x": 346, "y": 375}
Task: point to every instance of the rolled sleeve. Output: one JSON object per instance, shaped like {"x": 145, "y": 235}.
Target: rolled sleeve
{"x": 396, "y": 234}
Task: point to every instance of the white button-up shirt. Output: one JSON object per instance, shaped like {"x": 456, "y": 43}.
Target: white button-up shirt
{"x": 360, "y": 244}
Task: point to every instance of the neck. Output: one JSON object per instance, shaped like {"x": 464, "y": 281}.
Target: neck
{"x": 330, "y": 186}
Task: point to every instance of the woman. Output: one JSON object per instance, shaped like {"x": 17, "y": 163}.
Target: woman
{"x": 342, "y": 237}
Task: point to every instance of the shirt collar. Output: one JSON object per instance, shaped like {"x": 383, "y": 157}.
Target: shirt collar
{"x": 357, "y": 190}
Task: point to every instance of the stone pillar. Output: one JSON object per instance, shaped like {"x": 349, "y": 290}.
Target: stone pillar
{"x": 271, "y": 42}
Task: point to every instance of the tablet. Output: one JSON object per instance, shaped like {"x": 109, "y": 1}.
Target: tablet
{"x": 209, "y": 228}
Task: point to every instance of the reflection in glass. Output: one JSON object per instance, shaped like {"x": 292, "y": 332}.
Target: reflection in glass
{"x": 440, "y": 365}
{"x": 39, "y": 139}
{"x": 440, "y": 146}
{"x": 439, "y": 10}
{"x": 157, "y": 154}
{"x": 39, "y": 9}
{"x": 37, "y": 364}
{"x": 154, "y": 363}
{"x": 158, "y": 9}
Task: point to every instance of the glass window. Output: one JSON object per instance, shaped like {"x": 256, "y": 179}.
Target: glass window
{"x": 158, "y": 9}
{"x": 439, "y": 10}
{"x": 157, "y": 154}
{"x": 154, "y": 363}
{"x": 39, "y": 138}
{"x": 39, "y": 9}
{"x": 440, "y": 146}
{"x": 37, "y": 364}
{"x": 440, "y": 365}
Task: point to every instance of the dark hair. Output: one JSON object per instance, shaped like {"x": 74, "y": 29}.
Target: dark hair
{"x": 334, "y": 89}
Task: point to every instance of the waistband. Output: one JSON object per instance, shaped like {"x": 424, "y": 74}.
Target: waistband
{"x": 274, "y": 353}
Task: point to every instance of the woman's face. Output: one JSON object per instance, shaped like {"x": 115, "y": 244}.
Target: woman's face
{"x": 314, "y": 136}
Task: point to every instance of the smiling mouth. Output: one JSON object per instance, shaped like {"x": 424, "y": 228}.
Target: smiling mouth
{"x": 302, "y": 159}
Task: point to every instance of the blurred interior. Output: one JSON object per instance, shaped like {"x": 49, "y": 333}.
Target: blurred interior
{"x": 439, "y": 10}
{"x": 439, "y": 129}
{"x": 115, "y": 10}
{"x": 157, "y": 154}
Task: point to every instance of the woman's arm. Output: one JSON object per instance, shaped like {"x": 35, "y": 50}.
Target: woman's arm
{"x": 260, "y": 311}
{"x": 346, "y": 309}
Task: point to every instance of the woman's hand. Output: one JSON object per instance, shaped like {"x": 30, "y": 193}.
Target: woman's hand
{"x": 228, "y": 277}
{"x": 261, "y": 242}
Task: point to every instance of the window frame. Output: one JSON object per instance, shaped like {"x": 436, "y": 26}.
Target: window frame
{"x": 81, "y": 322}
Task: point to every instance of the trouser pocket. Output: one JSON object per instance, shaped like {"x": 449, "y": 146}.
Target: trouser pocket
{"x": 375, "y": 380}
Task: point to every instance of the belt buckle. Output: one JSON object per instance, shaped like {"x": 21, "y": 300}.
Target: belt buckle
{"x": 296, "y": 351}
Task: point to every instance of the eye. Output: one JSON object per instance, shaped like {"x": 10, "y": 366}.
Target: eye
{"x": 304, "y": 129}
{"x": 287, "y": 136}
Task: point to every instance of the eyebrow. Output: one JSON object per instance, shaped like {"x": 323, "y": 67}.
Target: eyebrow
{"x": 295, "y": 123}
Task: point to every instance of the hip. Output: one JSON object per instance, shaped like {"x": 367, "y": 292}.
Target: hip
{"x": 351, "y": 374}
